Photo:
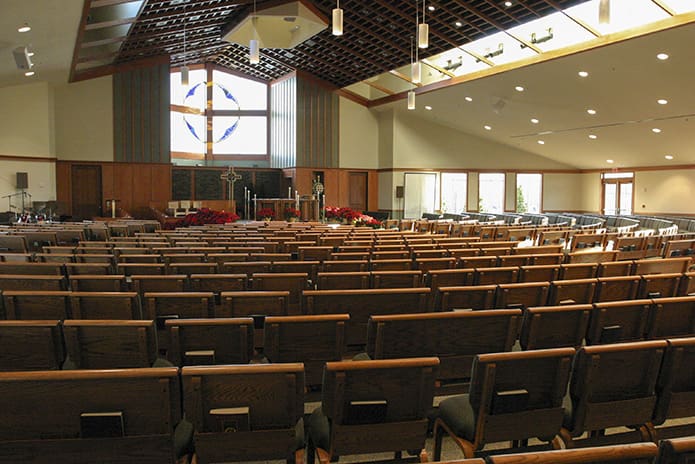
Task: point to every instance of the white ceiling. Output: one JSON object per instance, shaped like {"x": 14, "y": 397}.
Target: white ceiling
{"x": 624, "y": 83}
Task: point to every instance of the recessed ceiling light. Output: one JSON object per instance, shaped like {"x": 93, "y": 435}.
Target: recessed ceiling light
{"x": 656, "y": 130}
{"x": 487, "y": 127}
{"x": 534, "y": 121}
{"x": 593, "y": 136}
{"x": 508, "y": 3}
{"x": 29, "y": 73}
{"x": 431, "y": 7}
{"x": 668, "y": 157}
{"x": 519, "y": 88}
{"x": 458, "y": 24}
{"x": 610, "y": 161}
{"x": 662, "y": 101}
{"x": 428, "y": 107}
{"x": 591, "y": 112}
{"x": 662, "y": 56}
{"x": 468, "y": 99}
{"x": 24, "y": 28}
{"x": 541, "y": 142}
{"x": 583, "y": 73}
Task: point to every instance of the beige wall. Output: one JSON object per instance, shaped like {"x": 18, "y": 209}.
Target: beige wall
{"x": 41, "y": 176}
{"x": 26, "y": 120}
{"x": 84, "y": 120}
{"x": 359, "y": 136}
{"x": 665, "y": 192}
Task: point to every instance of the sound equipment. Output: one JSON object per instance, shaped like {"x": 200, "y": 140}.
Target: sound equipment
{"x": 22, "y": 180}
{"x": 399, "y": 191}
{"x": 22, "y": 58}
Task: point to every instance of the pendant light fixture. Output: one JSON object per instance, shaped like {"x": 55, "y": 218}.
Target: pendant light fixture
{"x": 254, "y": 49}
{"x": 337, "y": 19}
{"x": 415, "y": 72}
{"x": 423, "y": 31}
{"x": 411, "y": 100}
{"x": 604, "y": 12}
{"x": 184, "y": 68}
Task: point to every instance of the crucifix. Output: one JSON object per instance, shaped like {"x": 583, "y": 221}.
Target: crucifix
{"x": 230, "y": 176}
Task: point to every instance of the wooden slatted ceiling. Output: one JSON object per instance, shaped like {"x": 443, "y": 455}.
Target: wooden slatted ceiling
{"x": 377, "y": 36}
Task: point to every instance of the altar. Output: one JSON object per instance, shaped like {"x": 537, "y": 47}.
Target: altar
{"x": 308, "y": 207}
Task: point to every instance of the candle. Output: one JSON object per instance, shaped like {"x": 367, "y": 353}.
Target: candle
{"x": 113, "y": 208}
{"x": 289, "y": 192}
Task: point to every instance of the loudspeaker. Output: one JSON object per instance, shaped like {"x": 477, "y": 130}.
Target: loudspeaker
{"x": 21, "y": 57}
{"x": 399, "y": 191}
{"x": 22, "y": 180}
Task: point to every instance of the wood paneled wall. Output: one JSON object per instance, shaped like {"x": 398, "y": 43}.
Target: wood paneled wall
{"x": 141, "y": 115}
{"x": 136, "y": 185}
{"x": 337, "y": 184}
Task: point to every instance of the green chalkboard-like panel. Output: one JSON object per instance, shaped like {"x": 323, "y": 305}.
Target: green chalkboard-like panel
{"x": 246, "y": 181}
{"x": 181, "y": 184}
{"x": 268, "y": 184}
{"x": 208, "y": 185}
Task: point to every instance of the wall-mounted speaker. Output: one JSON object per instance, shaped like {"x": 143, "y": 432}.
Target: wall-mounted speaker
{"x": 22, "y": 180}
{"x": 22, "y": 58}
{"x": 400, "y": 191}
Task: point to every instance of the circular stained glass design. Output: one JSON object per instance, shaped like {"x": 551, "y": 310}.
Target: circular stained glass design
{"x": 231, "y": 102}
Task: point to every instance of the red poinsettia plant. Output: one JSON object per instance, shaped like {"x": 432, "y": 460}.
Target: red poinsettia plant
{"x": 266, "y": 213}
{"x": 204, "y": 216}
{"x": 351, "y": 216}
{"x": 292, "y": 213}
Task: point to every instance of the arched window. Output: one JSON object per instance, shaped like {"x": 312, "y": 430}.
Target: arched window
{"x": 218, "y": 116}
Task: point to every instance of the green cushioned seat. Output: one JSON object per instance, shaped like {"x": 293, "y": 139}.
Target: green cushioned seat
{"x": 319, "y": 429}
{"x": 183, "y": 438}
{"x": 458, "y": 415}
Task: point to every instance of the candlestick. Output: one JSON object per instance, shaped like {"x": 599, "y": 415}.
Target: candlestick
{"x": 113, "y": 208}
{"x": 289, "y": 192}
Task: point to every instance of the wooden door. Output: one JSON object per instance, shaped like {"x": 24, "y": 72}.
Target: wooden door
{"x": 358, "y": 190}
{"x": 86, "y": 191}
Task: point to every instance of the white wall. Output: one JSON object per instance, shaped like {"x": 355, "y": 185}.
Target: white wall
{"x": 26, "y": 121}
{"x": 359, "y": 136}
{"x": 41, "y": 176}
{"x": 665, "y": 192}
{"x": 84, "y": 120}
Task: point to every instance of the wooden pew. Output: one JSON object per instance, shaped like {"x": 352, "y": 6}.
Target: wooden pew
{"x": 31, "y": 345}
{"x": 210, "y": 341}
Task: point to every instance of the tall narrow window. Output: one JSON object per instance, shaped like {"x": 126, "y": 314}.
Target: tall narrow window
{"x": 218, "y": 116}
{"x": 528, "y": 193}
{"x": 491, "y": 192}
{"x": 454, "y": 191}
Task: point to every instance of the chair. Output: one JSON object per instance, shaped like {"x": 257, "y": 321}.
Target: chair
{"x": 659, "y": 285}
{"x": 672, "y": 317}
{"x": 98, "y": 283}
{"x": 250, "y": 303}
{"x": 614, "y": 269}
{"x": 495, "y": 275}
{"x": 32, "y": 282}
{"x": 676, "y": 390}
{"x": 294, "y": 283}
{"x": 521, "y": 295}
{"x": 578, "y": 271}
{"x": 677, "y": 451}
{"x": 249, "y": 267}
{"x": 351, "y": 265}
{"x": 116, "y": 416}
{"x": 467, "y": 297}
{"x": 371, "y": 407}
{"x": 454, "y": 337}
{"x": 391, "y": 265}
{"x": 210, "y": 341}
{"x": 540, "y": 273}
{"x": 661, "y": 266}
{"x": 109, "y": 344}
{"x": 105, "y": 305}
{"x": 396, "y": 279}
{"x": 617, "y": 288}
{"x": 218, "y": 283}
{"x": 634, "y": 453}
{"x": 619, "y": 321}
{"x": 578, "y": 291}
{"x": 311, "y": 340}
{"x": 513, "y": 396}
{"x": 342, "y": 280}
{"x": 554, "y": 327}
{"x": 88, "y": 268}
{"x": 31, "y": 346}
{"x": 449, "y": 278}
{"x": 192, "y": 268}
{"x": 245, "y": 413}
{"x": 129, "y": 269}
{"x": 178, "y": 305}
{"x": 17, "y": 267}
{"x": 612, "y": 386}
{"x": 430, "y": 264}
{"x": 36, "y": 305}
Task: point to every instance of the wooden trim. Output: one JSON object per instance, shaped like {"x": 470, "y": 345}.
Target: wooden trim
{"x": 78, "y": 41}
{"x": 359, "y": 99}
{"x": 27, "y": 158}
{"x": 113, "y": 69}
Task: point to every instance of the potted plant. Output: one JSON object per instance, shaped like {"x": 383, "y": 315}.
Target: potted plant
{"x": 268, "y": 214}
{"x": 292, "y": 214}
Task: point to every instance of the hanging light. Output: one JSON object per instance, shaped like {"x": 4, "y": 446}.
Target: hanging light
{"x": 415, "y": 72}
{"x": 604, "y": 12}
{"x": 337, "y": 19}
{"x": 254, "y": 48}
{"x": 423, "y": 31}
{"x": 411, "y": 99}
{"x": 184, "y": 68}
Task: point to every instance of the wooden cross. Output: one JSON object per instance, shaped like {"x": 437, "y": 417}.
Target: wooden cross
{"x": 230, "y": 177}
